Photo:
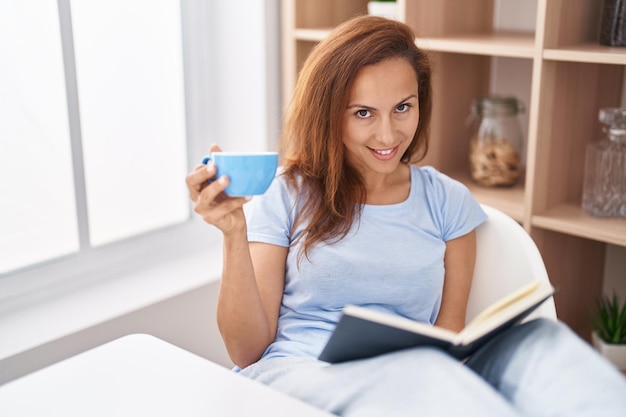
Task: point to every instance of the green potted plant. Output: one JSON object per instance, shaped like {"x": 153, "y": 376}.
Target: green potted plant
{"x": 383, "y": 8}
{"x": 609, "y": 335}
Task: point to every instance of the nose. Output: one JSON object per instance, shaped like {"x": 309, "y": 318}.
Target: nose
{"x": 386, "y": 132}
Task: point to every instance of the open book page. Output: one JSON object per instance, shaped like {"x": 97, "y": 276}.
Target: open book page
{"x": 503, "y": 303}
{"x": 521, "y": 302}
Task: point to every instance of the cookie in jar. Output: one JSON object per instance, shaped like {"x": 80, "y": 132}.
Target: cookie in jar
{"x": 496, "y": 143}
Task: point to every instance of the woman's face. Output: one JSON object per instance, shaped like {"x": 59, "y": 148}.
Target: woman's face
{"x": 382, "y": 116}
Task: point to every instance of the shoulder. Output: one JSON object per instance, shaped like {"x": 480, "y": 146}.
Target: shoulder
{"x": 449, "y": 201}
{"x": 270, "y": 216}
{"x": 434, "y": 181}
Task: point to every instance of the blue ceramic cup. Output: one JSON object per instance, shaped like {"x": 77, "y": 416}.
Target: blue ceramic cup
{"x": 250, "y": 173}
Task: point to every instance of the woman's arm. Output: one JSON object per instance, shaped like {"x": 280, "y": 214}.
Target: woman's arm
{"x": 253, "y": 274}
{"x": 459, "y": 263}
{"x": 249, "y": 299}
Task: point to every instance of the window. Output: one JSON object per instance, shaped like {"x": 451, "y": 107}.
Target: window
{"x": 129, "y": 73}
{"x": 94, "y": 143}
{"x": 38, "y": 220}
{"x": 56, "y": 177}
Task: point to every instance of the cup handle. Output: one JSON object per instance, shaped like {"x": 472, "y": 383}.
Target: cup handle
{"x": 206, "y": 159}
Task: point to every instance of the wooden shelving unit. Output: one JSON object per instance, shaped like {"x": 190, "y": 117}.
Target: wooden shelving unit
{"x": 572, "y": 78}
{"x": 505, "y": 44}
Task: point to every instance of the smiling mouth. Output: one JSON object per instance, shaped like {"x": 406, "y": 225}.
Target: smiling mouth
{"x": 384, "y": 154}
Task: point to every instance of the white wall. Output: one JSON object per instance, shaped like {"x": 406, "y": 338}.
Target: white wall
{"x": 246, "y": 80}
{"x": 186, "y": 320}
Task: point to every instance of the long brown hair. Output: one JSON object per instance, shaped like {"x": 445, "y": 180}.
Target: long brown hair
{"x": 313, "y": 153}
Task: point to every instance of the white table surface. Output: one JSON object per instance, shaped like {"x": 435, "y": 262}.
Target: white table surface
{"x": 140, "y": 375}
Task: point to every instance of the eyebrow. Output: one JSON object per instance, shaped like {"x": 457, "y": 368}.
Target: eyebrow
{"x": 363, "y": 106}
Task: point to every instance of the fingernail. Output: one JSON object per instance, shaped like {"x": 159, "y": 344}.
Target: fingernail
{"x": 210, "y": 166}
{"x": 222, "y": 180}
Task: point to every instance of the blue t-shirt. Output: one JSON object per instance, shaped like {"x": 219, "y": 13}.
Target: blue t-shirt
{"x": 391, "y": 260}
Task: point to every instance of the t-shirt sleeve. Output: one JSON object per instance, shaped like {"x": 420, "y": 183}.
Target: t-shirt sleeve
{"x": 268, "y": 216}
{"x": 459, "y": 213}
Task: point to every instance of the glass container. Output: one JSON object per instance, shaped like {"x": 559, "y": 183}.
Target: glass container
{"x": 497, "y": 143}
{"x": 604, "y": 187}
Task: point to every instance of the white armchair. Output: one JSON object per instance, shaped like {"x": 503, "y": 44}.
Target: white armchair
{"x": 506, "y": 259}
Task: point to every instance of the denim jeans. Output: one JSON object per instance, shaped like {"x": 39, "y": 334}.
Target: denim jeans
{"x": 539, "y": 368}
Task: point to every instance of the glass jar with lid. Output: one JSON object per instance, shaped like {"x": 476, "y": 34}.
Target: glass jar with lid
{"x": 604, "y": 187}
{"x": 497, "y": 143}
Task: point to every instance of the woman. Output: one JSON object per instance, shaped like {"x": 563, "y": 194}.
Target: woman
{"x": 349, "y": 221}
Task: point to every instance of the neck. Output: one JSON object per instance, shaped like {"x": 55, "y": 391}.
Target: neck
{"x": 390, "y": 188}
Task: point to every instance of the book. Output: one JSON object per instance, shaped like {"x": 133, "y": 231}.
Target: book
{"x": 362, "y": 332}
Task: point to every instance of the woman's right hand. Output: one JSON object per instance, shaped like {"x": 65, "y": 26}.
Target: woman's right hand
{"x": 210, "y": 201}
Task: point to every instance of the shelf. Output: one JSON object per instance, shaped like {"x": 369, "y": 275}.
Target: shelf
{"x": 313, "y": 35}
{"x": 571, "y": 219}
{"x": 588, "y": 52}
{"x": 504, "y": 44}
{"x": 509, "y": 200}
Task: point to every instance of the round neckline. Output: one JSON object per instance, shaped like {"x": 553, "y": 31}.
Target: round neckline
{"x": 401, "y": 204}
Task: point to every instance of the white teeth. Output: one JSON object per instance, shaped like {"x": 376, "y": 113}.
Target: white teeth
{"x": 386, "y": 152}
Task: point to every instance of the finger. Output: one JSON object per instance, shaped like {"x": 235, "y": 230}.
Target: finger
{"x": 213, "y": 148}
{"x": 199, "y": 178}
{"x": 199, "y": 167}
{"x": 210, "y": 193}
{"x": 214, "y": 205}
